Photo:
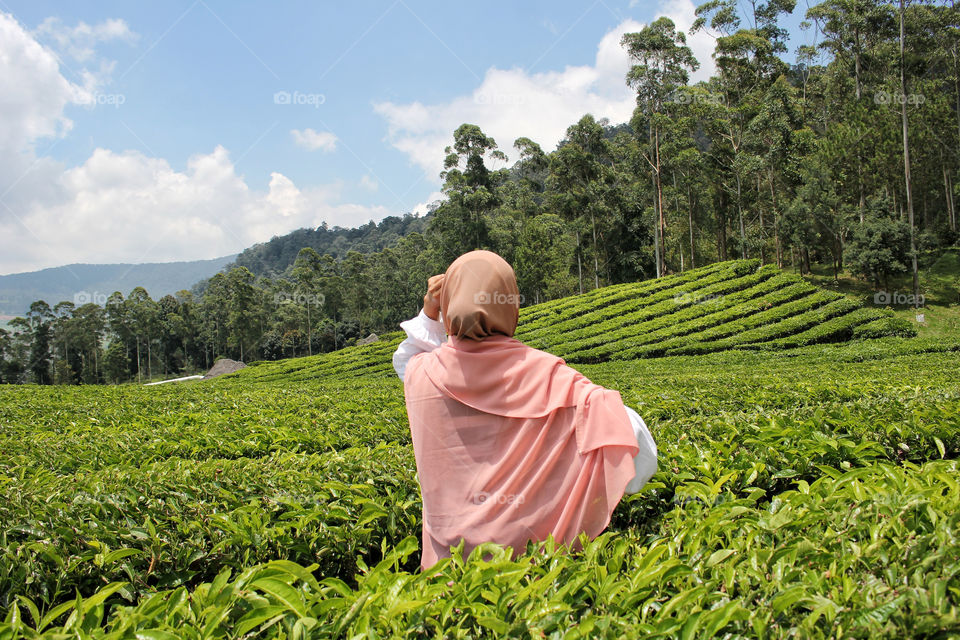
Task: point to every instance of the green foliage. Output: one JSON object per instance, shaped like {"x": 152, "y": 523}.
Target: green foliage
{"x": 800, "y": 493}
{"x": 879, "y": 249}
{"x": 730, "y": 305}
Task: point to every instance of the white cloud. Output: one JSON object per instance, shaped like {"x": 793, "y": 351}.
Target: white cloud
{"x": 510, "y": 103}
{"x": 126, "y": 206}
{"x": 34, "y": 92}
{"x": 79, "y": 42}
{"x": 425, "y": 207}
{"x": 369, "y": 183}
{"x": 314, "y": 140}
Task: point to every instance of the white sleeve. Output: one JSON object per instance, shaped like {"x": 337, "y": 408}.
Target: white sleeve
{"x": 423, "y": 334}
{"x": 645, "y": 462}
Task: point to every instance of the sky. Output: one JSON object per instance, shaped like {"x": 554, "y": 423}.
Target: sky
{"x": 192, "y": 129}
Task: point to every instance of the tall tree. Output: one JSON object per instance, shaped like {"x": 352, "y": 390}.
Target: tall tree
{"x": 663, "y": 63}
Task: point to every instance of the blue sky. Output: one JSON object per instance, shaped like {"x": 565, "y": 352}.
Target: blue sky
{"x": 145, "y": 132}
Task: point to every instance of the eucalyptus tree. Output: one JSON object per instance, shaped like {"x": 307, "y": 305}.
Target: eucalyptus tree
{"x": 243, "y": 307}
{"x": 332, "y": 286}
{"x": 144, "y": 314}
{"x": 307, "y": 272}
{"x": 89, "y": 323}
{"x": 215, "y": 312}
{"x": 63, "y": 334}
{"x": 851, "y": 32}
{"x": 120, "y": 324}
{"x": 39, "y": 321}
{"x": 780, "y": 142}
{"x": 662, "y": 64}
{"x": 747, "y": 63}
{"x": 575, "y": 167}
{"x": 459, "y": 224}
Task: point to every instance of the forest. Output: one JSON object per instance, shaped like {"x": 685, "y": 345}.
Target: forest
{"x": 844, "y": 161}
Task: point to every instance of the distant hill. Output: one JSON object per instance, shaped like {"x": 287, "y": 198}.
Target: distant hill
{"x": 274, "y": 257}
{"x": 94, "y": 282}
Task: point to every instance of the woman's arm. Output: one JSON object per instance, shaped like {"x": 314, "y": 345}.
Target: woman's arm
{"x": 426, "y": 331}
{"x": 645, "y": 462}
{"x": 423, "y": 334}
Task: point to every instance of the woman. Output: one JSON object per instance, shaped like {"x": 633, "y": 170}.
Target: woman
{"x": 511, "y": 444}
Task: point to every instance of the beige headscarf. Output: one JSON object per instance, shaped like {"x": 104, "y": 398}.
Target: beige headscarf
{"x": 480, "y": 297}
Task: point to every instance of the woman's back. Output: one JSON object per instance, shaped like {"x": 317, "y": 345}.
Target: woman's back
{"x": 506, "y": 474}
{"x": 511, "y": 444}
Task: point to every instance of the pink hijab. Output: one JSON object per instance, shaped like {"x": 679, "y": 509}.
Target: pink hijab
{"x": 511, "y": 444}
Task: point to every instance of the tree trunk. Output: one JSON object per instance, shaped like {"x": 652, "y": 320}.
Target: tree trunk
{"x": 763, "y": 248}
{"x": 656, "y": 228}
{"x": 658, "y": 245}
{"x": 956, "y": 86}
{"x": 722, "y": 229}
{"x": 676, "y": 201}
{"x": 693, "y": 257}
{"x": 579, "y": 264}
{"x": 596, "y": 263}
{"x": 952, "y": 207}
{"x": 861, "y": 205}
{"x": 906, "y": 163}
{"x": 743, "y": 232}
{"x": 948, "y": 196}
{"x": 776, "y": 221}
{"x": 856, "y": 61}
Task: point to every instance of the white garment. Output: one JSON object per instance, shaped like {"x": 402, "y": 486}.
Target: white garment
{"x": 426, "y": 334}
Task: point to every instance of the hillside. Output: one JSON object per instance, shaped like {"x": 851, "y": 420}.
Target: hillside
{"x": 274, "y": 257}
{"x": 729, "y": 305}
{"x": 94, "y": 282}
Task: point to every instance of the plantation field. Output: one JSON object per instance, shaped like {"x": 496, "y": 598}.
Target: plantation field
{"x": 809, "y": 492}
{"x": 801, "y": 492}
{"x": 729, "y": 305}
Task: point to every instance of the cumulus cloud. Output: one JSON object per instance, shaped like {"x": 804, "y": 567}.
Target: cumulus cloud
{"x": 314, "y": 140}
{"x": 510, "y": 103}
{"x": 125, "y": 206}
{"x": 34, "y": 92}
{"x": 80, "y": 41}
{"x": 128, "y": 207}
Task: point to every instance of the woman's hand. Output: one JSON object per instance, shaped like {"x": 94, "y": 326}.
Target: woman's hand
{"x": 431, "y": 301}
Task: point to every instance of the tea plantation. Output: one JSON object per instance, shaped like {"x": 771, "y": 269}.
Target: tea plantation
{"x": 808, "y": 487}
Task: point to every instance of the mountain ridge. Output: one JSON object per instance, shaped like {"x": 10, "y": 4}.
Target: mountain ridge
{"x": 91, "y": 282}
